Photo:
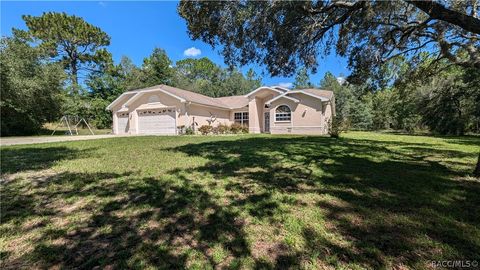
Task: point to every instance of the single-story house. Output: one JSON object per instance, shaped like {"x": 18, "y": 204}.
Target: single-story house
{"x": 165, "y": 110}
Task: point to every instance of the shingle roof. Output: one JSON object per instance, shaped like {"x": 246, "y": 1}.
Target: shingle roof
{"x": 319, "y": 92}
{"x": 187, "y": 95}
{"x": 234, "y": 102}
{"x": 194, "y": 97}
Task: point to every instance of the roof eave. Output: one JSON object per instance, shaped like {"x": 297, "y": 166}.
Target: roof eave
{"x": 308, "y": 94}
{"x": 110, "y": 106}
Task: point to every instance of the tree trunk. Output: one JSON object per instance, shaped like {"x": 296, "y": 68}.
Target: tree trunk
{"x": 74, "y": 75}
{"x": 476, "y": 172}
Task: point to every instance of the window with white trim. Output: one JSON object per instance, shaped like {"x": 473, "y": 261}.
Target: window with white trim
{"x": 241, "y": 118}
{"x": 283, "y": 114}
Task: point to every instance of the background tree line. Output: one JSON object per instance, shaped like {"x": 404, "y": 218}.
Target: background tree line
{"x": 68, "y": 70}
{"x": 446, "y": 103}
{"x": 61, "y": 66}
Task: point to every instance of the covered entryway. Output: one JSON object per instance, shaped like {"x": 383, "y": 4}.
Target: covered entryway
{"x": 266, "y": 126}
{"x": 122, "y": 123}
{"x": 157, "y": 121}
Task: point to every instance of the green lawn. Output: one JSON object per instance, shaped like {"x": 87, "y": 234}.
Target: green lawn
{"x": 367, "y": 200}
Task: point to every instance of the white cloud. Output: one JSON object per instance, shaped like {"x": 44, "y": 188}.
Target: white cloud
{"x": 192, "y": 52}
{"x": 285, "y": 84}
{"x": 341, "y": 80}
{"x": 103, "y": 4}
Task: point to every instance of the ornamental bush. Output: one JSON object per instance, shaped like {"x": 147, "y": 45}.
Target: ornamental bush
{"x": 236, "y": 128}
{"x": 223, "y": 129}
{"x": 205, "y": 129}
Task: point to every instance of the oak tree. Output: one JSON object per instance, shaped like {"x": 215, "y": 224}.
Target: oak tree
{"x": 285, "y": 35}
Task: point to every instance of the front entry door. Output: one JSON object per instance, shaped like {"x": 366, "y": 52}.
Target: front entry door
{"x": 267, "y": 122}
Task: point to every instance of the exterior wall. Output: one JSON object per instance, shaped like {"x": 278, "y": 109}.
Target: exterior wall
{"x": 114, "y": 122}
{"x": 201, "y": 115}
{"x": 281, "y": 127}
{"x": 115, "y": 110}
{"x": 328, "y": 114}
{"x": 165, "y": 100}
{"x": 308, "y": 116}
{"x": 185, "y": 112}
{"x": 308, "y": 113}
{"x": 253, "y": 125}
{"x": 262, "y": 110}
{"x": 256, "y": 110}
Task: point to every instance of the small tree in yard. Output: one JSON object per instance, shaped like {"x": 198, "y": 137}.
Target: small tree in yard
{"x": 335, "y": 127}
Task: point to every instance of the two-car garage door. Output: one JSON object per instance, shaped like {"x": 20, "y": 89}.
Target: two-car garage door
{"x": 157, "y": 121}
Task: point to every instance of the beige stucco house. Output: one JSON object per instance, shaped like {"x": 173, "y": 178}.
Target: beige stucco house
{"x": 166, "y": 110}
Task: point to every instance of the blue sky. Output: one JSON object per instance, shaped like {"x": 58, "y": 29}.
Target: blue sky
{"x": 136, "y": 28}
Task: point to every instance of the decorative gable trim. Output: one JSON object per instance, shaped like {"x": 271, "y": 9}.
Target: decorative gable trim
{"x": 138, "y": 94}
{"x": 282, "y": 96}
{"x": 263, "y": 88}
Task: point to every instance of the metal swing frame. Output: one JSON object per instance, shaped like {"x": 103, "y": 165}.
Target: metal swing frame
{"x": 70, "y": 130}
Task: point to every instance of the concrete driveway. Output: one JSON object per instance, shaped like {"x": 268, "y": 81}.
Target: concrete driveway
{"x": 47, "y": 139}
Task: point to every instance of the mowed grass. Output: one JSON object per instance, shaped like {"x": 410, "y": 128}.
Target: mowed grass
{"x": 364, "y": 201}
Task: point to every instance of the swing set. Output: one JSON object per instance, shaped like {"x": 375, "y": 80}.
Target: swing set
{"x": 68, "y": 120}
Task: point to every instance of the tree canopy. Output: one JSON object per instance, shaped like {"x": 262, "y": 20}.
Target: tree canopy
{"x": 30, "y": 88}
{"x": 34, "y": 63}
{"x": 204, "y": 76}
{"x": 286, "y": 35}
{"x": 78, "y": 45}
{"x": 157, "y": 68}
{"x": 302, "y": 79}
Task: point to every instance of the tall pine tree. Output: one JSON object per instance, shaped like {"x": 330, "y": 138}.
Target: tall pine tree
{"x": 78, "y": 45}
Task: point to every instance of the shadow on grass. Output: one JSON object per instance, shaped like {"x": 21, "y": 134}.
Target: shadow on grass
{"x": 465, "y": 140}
{"x": 393, "y": 207}
{"x": 384, "y": 208}
{"x": 117, "y": 220}
{"x": 36, "y": 158}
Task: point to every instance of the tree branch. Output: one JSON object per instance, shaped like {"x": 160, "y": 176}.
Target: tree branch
{"x": 440, "y": 12}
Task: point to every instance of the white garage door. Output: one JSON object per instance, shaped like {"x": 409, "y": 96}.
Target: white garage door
{"x": 122, "y": 123}
{"x": 157, "y": 121}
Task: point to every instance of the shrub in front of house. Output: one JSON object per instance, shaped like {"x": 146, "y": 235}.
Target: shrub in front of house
{"x": 236, "y": 128}
{"x": 222, "y": 129}
{"x": 205, "y": 129}
{"x": 189, "y": 131}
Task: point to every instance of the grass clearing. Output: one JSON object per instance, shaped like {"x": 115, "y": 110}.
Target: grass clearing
{"x": 367, "y": 200}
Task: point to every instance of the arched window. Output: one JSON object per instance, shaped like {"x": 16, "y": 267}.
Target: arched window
{"x": 283, "y": 113}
